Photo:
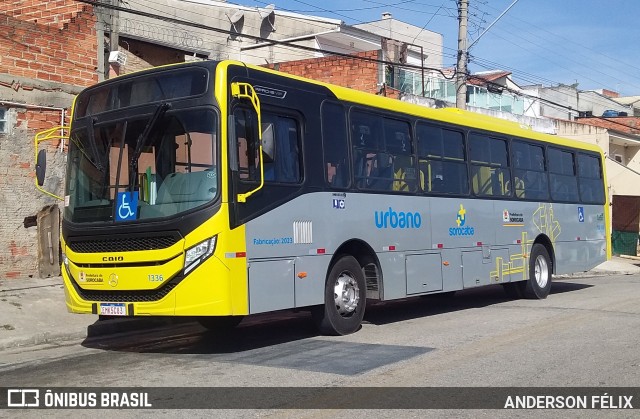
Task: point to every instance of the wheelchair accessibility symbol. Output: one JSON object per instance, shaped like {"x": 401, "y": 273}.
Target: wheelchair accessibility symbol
{"x": 581, "y": 214}
{"x": 127, "y": 206}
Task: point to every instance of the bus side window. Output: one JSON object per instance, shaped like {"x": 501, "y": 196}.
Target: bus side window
{"x": 590, "y": 178}
{"x": 562, "y": 175}
{"x": 335, "y": 145}
{"x": 530, "y": 178}
{"x": 365, "y": 139}
{"x": 280, "y": 149}
{"x": 490, "y": 175}
{"x": 399, "y": 145}
{"x": 247, "y": 145}
{"x": 441, "y": 160}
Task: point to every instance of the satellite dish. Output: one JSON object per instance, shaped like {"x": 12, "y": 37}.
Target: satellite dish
{"x": 268, "y": 15}
{"x": 236, "y": 20}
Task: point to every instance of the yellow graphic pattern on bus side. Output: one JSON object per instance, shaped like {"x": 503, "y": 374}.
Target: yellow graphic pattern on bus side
{"x": 545, "y": 222}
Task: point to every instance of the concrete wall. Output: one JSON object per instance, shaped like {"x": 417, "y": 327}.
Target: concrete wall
{"x": 583, "y": 132}
{"x": 216, "y": 45}
{"x": 557, "y": 100}
{"x": 622, "y": 181}
{"x": 47, "y": 54}
{"x": 430, "y": 42}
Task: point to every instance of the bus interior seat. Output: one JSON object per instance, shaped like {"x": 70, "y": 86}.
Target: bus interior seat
{"x": 363, "y": 165}
{"x": 405, "y": 178}
{"x": 341, "y": 177}
{"x": 180, "y": 192}
{"x": 381, "y": 175}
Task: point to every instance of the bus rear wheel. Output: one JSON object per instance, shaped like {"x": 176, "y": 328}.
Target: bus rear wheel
{"x": 540, "y": 268}
{"x": 538, "y": 285}
{"x": 345, "y": 298}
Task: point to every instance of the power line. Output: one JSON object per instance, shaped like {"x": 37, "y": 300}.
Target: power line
{"x": 288, "y": 44}
{"x": 255, "y": 37}
{"x": 539, "y": 33}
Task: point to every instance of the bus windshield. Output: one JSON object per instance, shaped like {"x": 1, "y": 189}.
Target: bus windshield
{"x": 143, "y": 167}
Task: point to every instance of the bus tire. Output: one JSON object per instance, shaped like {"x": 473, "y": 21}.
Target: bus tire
{"x": 345, "y": 298}
{"x": 220, "y": 323}
{"x": 540, "y": 268}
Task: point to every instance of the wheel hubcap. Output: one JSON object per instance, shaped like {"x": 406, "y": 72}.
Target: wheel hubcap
{"x": 541, "y": 271}
{"x": 346, "y": 294}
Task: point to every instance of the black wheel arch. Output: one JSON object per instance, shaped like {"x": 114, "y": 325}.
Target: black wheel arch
{"x": 364, "y": 254}
{"x": 544, "y": 240}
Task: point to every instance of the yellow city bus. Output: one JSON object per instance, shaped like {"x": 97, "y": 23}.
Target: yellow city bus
{"x": 220, "y": 190}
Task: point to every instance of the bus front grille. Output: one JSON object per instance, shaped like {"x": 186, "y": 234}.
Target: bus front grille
{"x": 128, "y": 243}
{"x": 129, "y": 296}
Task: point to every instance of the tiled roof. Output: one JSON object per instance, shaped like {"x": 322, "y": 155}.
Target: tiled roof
{"x": 627, "y": 125}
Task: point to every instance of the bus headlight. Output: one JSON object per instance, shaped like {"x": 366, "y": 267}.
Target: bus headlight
{"x": 195, "y": 255}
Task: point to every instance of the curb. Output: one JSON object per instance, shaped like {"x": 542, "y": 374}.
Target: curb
{"x": 629, "y": 257}
{"x": 41, "y": 338}
{"x": 99, "y": 329}
{"x": 591, "y": 274}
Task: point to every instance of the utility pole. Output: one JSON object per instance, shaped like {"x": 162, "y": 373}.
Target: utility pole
{"x": 461, "y": 73}
{"x": 114, "y": 39}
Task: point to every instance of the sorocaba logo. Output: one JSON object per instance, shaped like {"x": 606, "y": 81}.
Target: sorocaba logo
{"x": 461, "y": 220}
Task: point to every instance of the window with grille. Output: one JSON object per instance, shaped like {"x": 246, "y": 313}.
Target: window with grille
{"x": 4, "y": 124}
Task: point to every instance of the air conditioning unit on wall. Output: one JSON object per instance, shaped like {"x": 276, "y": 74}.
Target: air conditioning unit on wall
{"x": 118, "y": 58}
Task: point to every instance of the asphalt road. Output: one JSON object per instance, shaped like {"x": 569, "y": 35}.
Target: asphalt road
{"x": 585, "y": 334}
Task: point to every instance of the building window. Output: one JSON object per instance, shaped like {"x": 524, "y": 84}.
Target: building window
{"x": 4, "y": 123}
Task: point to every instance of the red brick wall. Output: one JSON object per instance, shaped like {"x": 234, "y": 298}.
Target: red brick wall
{"x": 48, "y": 49}
{"x": 44, "y": 52}
{"x": 54, "y": 12}
{"x": 347, "y": 72}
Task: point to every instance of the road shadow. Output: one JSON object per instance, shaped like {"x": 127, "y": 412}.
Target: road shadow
{"x": 435, "y": 304}
{"x": 185, "y": 336}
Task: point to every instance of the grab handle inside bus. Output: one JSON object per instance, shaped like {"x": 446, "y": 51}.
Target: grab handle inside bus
{"x": 245, "y": 91}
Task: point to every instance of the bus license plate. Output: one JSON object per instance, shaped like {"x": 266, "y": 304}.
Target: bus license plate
{"x": 113, "y": 309}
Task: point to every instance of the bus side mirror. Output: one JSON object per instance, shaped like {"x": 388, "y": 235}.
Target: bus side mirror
{"x": 41, "y": 166}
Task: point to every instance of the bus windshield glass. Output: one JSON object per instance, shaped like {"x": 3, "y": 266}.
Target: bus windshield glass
{"x": 143, "y": 167}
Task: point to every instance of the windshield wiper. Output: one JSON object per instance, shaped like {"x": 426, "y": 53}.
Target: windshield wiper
{"x": 142, "y": 139}
{"x": 94, "y": 147}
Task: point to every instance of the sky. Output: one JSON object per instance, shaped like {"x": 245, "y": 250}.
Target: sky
{"x": 593, "y": 43}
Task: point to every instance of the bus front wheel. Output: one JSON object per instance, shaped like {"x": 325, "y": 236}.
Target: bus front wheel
{"x": 345, "y": 298}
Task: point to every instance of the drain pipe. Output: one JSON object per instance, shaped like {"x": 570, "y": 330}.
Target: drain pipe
{"x": 48, "y": 108}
